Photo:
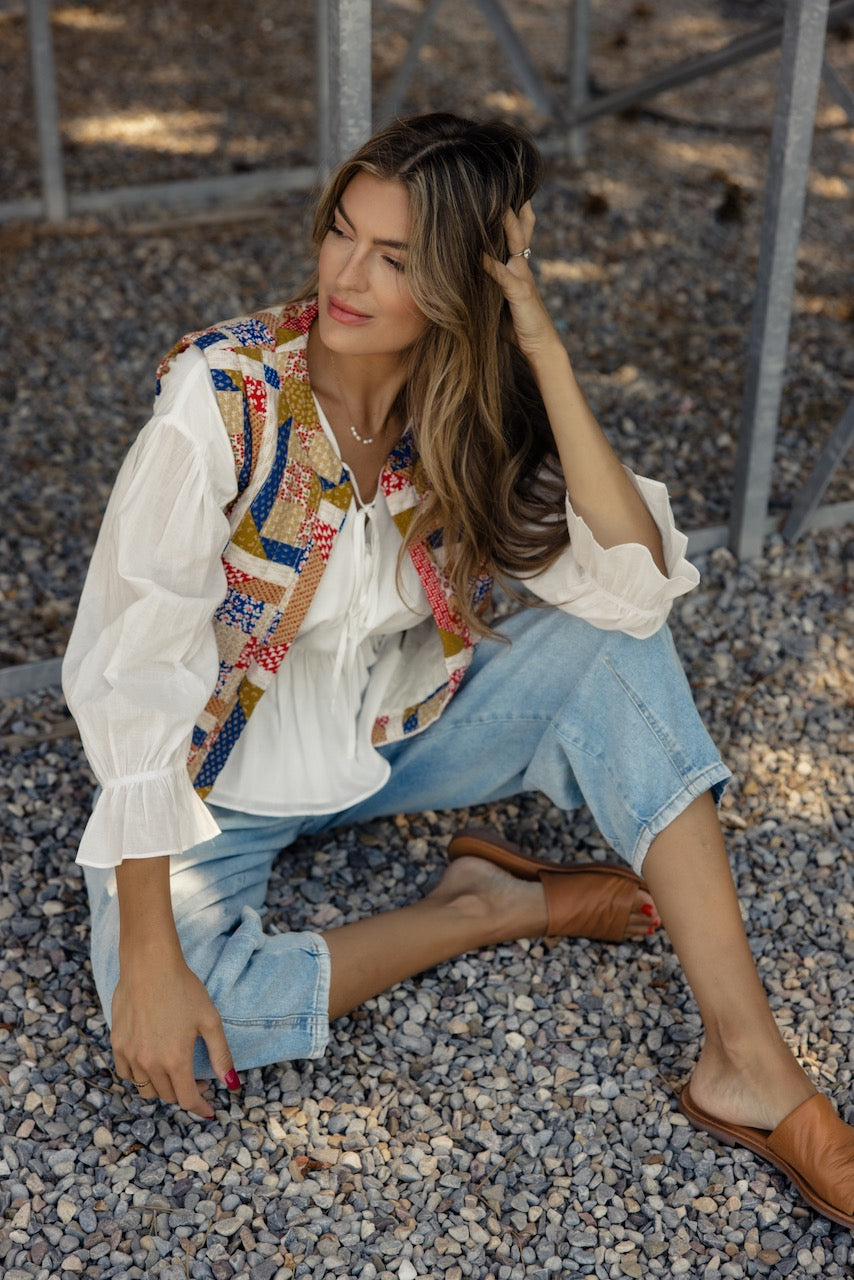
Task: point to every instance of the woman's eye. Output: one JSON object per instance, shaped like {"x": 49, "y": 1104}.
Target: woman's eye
{"x": 336, "y": 230}
{"x": 393, "y": 262}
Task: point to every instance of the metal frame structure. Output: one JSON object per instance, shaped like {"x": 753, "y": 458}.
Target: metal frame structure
{"x": 802, "y": 35}
{"x": 785, "y": 192}
{"x": 344, "y": 120}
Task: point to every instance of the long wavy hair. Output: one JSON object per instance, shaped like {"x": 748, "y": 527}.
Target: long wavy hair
{"x": 495, "y": 486}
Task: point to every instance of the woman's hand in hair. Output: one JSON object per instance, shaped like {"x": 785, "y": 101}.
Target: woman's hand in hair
{"x": 599, "y": 489}
{"x": 533, "y": 329}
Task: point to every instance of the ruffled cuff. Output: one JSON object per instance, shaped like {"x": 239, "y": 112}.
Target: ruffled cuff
{"x": 628, "y": 569}
{"x": 149, "y": 815}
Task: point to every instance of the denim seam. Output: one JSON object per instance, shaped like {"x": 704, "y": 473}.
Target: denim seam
{"x": 437, "y": 726}
{"x": 651, "y": 722}
{"x": 274, "y": 1020}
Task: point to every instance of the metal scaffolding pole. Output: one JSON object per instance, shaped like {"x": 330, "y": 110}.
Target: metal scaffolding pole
{"x": 510, "y": 44}
{"x": 838, "y": 90}
{"x": 791, "y": 142}
{"x": 577, "y": 86}
{"x": 345, "y": 29}
{"x": 822, "y": 473}
{"x": 322, "y": 95}
{"x": 55, "y": 200}
{"x": 393, "y": 100}
{"x": 517, "y": 55}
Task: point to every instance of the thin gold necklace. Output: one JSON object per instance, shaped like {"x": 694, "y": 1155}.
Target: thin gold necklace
{"x": 354, "y": 432}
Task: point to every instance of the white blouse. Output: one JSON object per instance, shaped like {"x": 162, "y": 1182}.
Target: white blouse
{"x": 142, "y": 658}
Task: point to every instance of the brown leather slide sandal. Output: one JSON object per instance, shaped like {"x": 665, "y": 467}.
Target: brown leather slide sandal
{"x": 813, "y": 1146}
{"x": 583, "y": 899}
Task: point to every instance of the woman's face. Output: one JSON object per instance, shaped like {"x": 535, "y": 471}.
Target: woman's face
{"x": 365, "y": 307}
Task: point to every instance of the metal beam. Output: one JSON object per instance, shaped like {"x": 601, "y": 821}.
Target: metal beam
{"x": 791, "y": 141}
{"x": 322, "y": 94}
{"x": 47, "y": 112}
{"x": 680, "y": 73}
{"x": 29, "y": 677}
{"x": 838, "y": 90}
{"x": 833, "y": 515}
{"x": 393, "y": 100}
{"x": 176, "y": 191}
{"x": 826, "y": 464}
{"x": 349, "y": 76}
{"x": 517, "y": 56}
{"x": 577, "y": 84}
{"x": 511, "y": 46}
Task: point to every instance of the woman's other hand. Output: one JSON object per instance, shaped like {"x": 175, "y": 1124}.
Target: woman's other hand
{"x": 534, "y": 331}
{"x": 160, "y": 1007}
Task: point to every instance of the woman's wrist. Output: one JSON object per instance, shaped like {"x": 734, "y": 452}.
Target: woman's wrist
{"x": 549, "y": 358}
{"x": 157, "y": 945}
{"x": 146, "y": 923}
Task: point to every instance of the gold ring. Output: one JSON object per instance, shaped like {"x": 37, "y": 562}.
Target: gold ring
{"x": 141, "y": 1084}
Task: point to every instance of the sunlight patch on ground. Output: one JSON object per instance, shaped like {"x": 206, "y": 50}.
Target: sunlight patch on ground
{"x": 829, "y": 187}
{"x": 695, "y": 30}
{"x": 86, "y": 18}
{"x": 555, "y": 270}
{"x": 734, "y": 159}
{"x": 181, "y": 132}
{"x": 504, "y": 100}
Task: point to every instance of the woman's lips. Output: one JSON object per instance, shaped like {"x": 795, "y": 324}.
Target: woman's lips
{"x": 343, "y": 314}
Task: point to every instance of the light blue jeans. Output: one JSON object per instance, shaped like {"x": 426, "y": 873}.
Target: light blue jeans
{"x": 583, "y": 715}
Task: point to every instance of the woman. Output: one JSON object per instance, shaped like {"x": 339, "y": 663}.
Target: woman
{"x": 371, "y": 457}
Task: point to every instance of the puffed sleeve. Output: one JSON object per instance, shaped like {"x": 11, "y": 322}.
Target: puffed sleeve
{"x": 142, "y": 660}
{"x": 620, "y": 588}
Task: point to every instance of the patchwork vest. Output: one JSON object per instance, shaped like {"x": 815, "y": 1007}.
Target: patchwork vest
{"x": 293, "y": 495}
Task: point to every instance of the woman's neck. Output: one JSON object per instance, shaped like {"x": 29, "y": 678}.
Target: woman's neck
{"x": 366, "y": 387}
{"x": 360, "y": 410}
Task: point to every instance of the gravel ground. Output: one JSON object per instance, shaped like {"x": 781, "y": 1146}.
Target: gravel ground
{"x": 512, "y": 1113}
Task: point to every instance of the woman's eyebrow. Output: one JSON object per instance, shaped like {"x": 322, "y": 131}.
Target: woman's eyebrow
{"x": 390, "y": 244}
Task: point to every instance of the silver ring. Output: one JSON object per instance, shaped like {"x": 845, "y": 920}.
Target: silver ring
{"x": 523, "y": 253}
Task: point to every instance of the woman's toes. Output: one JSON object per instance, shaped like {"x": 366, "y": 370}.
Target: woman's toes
{"x": 644, "y": 919}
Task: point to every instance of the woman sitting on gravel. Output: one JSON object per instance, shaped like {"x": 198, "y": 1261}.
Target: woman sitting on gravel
{"x": 306, "y": 534}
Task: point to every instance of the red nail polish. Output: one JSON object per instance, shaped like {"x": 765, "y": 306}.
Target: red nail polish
{"x": 648, "y": 909}
{"x": 232, "y": 1079}
{"x": 651, "y": 929}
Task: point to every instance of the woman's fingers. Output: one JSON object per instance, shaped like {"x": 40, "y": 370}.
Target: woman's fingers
{"x": 176, "y": 1086}
{"x": 157, "y": 1018}
{"x": 189, "y": 1095}
{"x": 160, "y": 1087}
{"x": 219, "y": 1053}
{"x": 519, "y": 228}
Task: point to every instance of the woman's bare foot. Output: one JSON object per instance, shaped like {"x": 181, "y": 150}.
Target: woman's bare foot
{"x": 515, "y": 908}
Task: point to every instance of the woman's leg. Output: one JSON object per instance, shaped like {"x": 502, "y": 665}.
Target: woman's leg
{"x": 551, "y": 712}
{"x": 745, "y": 1074}
{"x": 474, "y": 905}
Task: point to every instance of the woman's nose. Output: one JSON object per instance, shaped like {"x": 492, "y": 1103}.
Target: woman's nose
{"x": 352, "y": 273}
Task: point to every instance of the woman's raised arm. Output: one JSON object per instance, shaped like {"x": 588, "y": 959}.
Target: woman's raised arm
{"x": 599, "y": 489}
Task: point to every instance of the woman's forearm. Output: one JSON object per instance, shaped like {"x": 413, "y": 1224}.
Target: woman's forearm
{"x": 146, "y": 922}
{"x": 160, "y": 1007}
{"x": 600, "y": 491}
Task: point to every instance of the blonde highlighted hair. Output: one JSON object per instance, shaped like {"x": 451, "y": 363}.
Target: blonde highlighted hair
{"x": 496, "y": 490}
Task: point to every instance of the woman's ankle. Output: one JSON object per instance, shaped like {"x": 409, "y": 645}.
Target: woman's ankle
{"x": 491, "y": 905}
{"x": 755, "y": 1083}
